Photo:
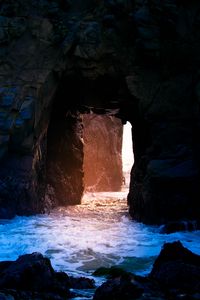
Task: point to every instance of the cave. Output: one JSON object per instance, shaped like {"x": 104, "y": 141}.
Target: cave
{"x": 116, "y": 58}
{"x": 84, "y": 142}
{"x": 51, "y": 173}
{"x": 72, "y": 74}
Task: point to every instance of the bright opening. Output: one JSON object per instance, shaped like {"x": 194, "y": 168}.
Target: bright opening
{"x": 102, "y": 137}
{"x": 108, "y": 153}
{"x": 127, "y": 153}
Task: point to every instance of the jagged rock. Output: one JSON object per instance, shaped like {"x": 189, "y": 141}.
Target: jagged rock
{"x": 128, "y": 286}
{"x": 81, "y": 283}
{"x": 111, "y": 272}
{"x": 32, "y": 277}
{"x": 175, "y": 275}
{"x": 33, "y": 273}
{"x": 177, "y": 268}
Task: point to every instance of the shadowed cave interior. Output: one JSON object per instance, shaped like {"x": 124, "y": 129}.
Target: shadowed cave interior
{"x": 84, "y": 145}
{"x": 48, "y": 168}
{"x": 155, "y": 196}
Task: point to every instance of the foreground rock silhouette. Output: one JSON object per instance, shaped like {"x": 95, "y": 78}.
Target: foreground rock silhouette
{"x": 32, "y": 276}
{"x": 177, "y": 268}
{"x": 175, "y": 275}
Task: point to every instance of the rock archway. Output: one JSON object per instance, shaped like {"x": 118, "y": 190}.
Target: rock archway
{"x": 90, "y": 115}
{"x": 138, "y": 60}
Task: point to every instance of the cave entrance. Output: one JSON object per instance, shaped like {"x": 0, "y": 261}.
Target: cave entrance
{"x": 127, "y": 154}
{"x": 86, "y": 153}
{"x": 72, "y": 167}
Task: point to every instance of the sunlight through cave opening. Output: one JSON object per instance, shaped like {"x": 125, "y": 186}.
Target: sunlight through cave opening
{"x": 127, "y": 153}
{"x": 108, "y": 153}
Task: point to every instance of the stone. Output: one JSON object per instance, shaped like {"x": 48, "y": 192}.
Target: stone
{"x": 89, "y": 41}
{"x": 31, "y": 276}
{"x": 81, "y": 283}
{"x": 42, "y": 29}
{"x": 111, "y": 272}
{"x": 177, "y": 268}
{"x": 64, "y": 162}
{"x": 15, "y": 178}
{"x": 175, "y": 275}
{"x": 117, "y": 289}
{"x": 129, "y": 286}
{"x": 33, "y": 272}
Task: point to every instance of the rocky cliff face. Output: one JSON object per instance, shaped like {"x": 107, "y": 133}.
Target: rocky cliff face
{"x": 64, "y": 165}
{"x": 102, "y": 153}
{"x": 138, "y": 60}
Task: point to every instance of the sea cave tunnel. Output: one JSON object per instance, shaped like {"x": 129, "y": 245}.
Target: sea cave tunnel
{"x": 44, "y": 165}
{"x": 160, "y": 185}
{"x": 84, "y": 145}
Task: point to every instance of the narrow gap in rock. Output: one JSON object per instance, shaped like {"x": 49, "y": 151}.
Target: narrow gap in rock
{"x": 127, "y": 154}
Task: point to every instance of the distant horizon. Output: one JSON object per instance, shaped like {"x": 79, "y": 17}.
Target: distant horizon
{"x": 127, "y": 148}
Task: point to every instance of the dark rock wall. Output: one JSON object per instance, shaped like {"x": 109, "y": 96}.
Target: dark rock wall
{"x": 166, "y": 174}
{"x": 102, "y": 153}
{"x": 138, "y": 60}
{"x": 65, "y": 158}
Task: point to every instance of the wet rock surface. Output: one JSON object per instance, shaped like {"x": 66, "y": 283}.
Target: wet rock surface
{"x": 177, "y": 268}
{"x": 64, "y": 159}
{"x": 175, "y": 275}
{"x": 32, "y": 276}
{"x": 138, "y": 60}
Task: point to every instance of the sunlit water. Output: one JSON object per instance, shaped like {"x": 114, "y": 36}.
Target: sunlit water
{"x": 81, "y": 238}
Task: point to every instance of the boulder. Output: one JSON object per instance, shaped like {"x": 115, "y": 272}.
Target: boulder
{"x": 81, "y": 283}
{"x": 177, "y": 268}
{"x": 175, "y": 275}
{"x": 33, "y": 273}
{"x": 128, "y": 287}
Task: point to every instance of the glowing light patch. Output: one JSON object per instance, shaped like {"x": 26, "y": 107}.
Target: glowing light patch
{"x": 127, "y": 148}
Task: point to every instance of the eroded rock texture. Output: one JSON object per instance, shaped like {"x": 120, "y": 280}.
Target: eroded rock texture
{"x": 102, "y": 153}
{"x": 138, "y": 60}
{"x": 65, "y": 158}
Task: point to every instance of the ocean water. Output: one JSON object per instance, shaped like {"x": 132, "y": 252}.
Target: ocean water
{"x": 98, "y": 233}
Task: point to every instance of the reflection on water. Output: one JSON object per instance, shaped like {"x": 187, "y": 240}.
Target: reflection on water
{"x": 81, "y": 238}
